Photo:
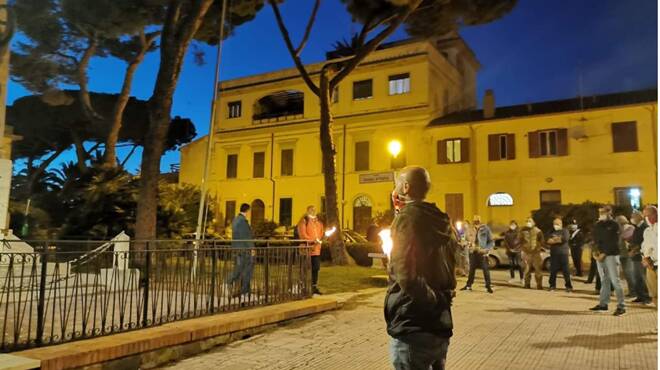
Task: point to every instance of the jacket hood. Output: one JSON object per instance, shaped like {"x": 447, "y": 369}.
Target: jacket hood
{"x": 428, "y": 211}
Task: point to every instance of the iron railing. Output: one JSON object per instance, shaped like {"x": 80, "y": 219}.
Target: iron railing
{"x": 61, "y": 292}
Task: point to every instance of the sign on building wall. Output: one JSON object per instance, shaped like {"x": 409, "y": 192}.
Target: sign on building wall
{"x": 369, "y": 178}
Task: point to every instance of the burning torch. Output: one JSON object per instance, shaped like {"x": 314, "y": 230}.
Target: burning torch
{"x": 386, "y": 238}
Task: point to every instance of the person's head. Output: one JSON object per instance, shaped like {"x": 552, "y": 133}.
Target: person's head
{"x": 413, "y": 183}
{"x": 651, "y": 214}
{"x": 513, "y": 225}
{"x": 557, "y": 224}
{"x": 311, "y": 211}
{"x": 529, "y": 222}
{"x": 604, "y": 213}
{"x": 636, "y": 218}
{"x": 621, "y": 220}
{"x": 245, "y": 208}
{"x": 476, "y": 220}
{"x": 573, "y": 226}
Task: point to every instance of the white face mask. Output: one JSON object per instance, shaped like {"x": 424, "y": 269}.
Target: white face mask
{"x": 529, "y": 224}
{"x": 513, "y": 227}
{"x": 557, "y": 227}
{"x": 602, "y": 217}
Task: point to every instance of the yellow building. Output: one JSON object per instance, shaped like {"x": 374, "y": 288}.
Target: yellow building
{"x": 500, "y": 162}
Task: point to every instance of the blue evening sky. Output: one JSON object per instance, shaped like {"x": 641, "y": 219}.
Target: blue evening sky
{"x": 535, "y": 53}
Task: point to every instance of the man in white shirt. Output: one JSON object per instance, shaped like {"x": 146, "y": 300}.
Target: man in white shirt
{"x": 650, "y": 252}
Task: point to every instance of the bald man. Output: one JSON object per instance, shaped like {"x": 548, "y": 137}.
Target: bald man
{"x": 422, "y": 281}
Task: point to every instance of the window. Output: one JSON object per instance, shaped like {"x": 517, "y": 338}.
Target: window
{"x": 501, "y": 147}
{"x": 230, "y": 211}
{"x": 550, "y": 197}
{"x": 400, "y": 84}
{"x": 232, "y": 166}
{"x": 362, "y": 89}
{"x": 258, "y": 165}
{"x": 362, "y": 156}
{"x": 624, "y": 136}
{"x": 625, "y": 197}
{"x": 500, "y": 200}
{"x": 286, "y": 206}
{"x": 453, "y": 151}
{"x": 286, "y": 168}
{"x": 234, "y": 108}
{"x": 548, "y": 143}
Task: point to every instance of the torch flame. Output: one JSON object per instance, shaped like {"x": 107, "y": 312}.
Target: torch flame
{"x": 459, "y": 225}
{"x": 386, "y": 237}
{"x": 330, "y": 232}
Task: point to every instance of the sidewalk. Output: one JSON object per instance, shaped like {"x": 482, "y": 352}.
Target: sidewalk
{"x": 511, "y": 329}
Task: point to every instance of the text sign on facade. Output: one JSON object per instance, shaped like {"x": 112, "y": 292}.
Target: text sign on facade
{"x": 370, "y": 178}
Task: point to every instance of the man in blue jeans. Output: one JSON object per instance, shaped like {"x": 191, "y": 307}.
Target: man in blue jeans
{"x": 422, "y": 280}
{"x": 241, "y": 235}
{"x": 606, "y": 237}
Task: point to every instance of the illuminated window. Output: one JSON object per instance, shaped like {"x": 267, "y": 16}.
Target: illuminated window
{"x": 628, "y": 197}
{"x": 500, "y": 200}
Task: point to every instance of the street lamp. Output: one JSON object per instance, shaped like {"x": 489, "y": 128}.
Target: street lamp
{"x": 394, "y": 147}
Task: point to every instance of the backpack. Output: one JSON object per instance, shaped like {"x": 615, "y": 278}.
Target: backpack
{"x": 296, "y": 234}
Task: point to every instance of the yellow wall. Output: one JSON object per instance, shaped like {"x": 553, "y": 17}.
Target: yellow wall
{"x": 590, "y": 171}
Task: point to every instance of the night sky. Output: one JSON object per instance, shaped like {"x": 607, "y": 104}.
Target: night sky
{"x": 537, "y": 52}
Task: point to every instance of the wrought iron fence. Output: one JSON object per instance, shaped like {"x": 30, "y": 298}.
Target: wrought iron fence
{"x": 71, "y": 290}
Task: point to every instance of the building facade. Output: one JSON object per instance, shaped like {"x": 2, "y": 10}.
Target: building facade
{"x": 499, "y": 162}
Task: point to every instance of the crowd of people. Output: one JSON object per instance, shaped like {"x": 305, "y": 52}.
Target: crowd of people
{"x": 621, "y": 250}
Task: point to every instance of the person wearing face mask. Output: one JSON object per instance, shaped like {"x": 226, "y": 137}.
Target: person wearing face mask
{"x": 576, "y": 241}
{"x": 422, "y": 280}
{"x": 606, "y": 234}
{"x": 559, "y": 250}
{"x": 650, "y": 252}
{"x": 531, "y": 243}
{"x": 635, "y": 257}
{"x": 512, "y": 245}
{"x": 482, "y": 245}
{"x": 310, "y": 228}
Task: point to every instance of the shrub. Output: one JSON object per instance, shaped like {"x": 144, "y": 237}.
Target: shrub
{"x": 359, "y": 252}
{"x": 586, "y": 215}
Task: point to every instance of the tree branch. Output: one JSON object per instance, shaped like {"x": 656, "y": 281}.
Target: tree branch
{"x": 296, "y": 60}
{"x": 123, "y": 163}
{"x": 370, "y": 46}
{"x": 308, "y": 29}
{"x": 85, "y": 99}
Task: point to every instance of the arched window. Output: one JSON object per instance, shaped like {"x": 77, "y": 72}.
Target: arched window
{"x": 500, "y": 200}
{"x": 361, "y": 213}
{"x": 258, "y": 210}
{"x": 285, "y": 104}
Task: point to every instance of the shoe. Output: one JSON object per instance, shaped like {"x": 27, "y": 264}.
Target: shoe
{"x": 637, "y": 300}
{"x": 316, "y": 290}
{"x": 527, "y": 286}
{"x": 647, "y": 303}
{"x": 551, "y": 289}
{"x": 489, "y": 290}
{"x": 598, "y": 308}
{"x": 512, "y": 281}
{"x": 467, "y": 287}
{"x": 569, "y": 290}
{"x": 619, "y": 312}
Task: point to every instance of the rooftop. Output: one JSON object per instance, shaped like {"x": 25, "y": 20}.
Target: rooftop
{"x": 552, "y": 106}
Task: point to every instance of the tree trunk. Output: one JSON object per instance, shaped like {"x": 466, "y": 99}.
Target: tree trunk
{"x": 81, "y": 153}
{"x": 337, "y": 247}
{"x": 178, "y": 31}
{"x": 83, "y": 95}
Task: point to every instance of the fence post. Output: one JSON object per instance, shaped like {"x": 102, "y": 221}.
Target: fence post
{"x": 214, "y": 271}
{"x": 266, "y": 274}
{"x": 145, "y": 284}
{"x": 42, "y": 296}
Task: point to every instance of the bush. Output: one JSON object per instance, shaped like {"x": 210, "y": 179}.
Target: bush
{"x": 586, "y": 215}
{"x": 264, "y": 229}
{"x": 359, "y": 252}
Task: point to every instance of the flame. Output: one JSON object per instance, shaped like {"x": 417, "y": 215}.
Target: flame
{"x": 386, "y": 237}
{"x": 459, "y": 225}
{"x": 330, "y": 232}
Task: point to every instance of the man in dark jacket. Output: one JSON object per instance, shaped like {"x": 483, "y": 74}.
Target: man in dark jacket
{"x": 558, "y": 242}
{"x": 634, "y": 251}
{"x": 422, "y": 281}
{"x": 576, "y": 242}
{"x": 606, "y": 238}
{"x": 242, "y": 246}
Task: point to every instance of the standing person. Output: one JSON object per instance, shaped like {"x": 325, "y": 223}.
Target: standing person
{"x": 531, "y": 243}
{"x": 593, "y": 268}
{"x": 650, "y": 252}
{"x": 422, "y": 281}
{"x": 558, "y": 242}
{"x": 512, "y": 245}
{"x": 606, "y": 238}
{"x": 463, "y": 252}
{"x": 576, "y": 241}
{"x": 635, "y": 254}
{"x": 241, "y": 235}
{"x": 483, "y": 243}
{"x": 625, "y": 235}
{"x": 310, "y": 228}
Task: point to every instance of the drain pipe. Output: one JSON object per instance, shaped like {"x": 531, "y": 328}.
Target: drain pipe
{"x": 272, "y": 180}
{"x": 343, "y": 177}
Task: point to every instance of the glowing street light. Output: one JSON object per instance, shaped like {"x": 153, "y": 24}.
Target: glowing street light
{"x": 394, "y": 147}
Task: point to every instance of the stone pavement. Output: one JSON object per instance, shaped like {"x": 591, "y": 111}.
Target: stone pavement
{"x": 511, "y": 329}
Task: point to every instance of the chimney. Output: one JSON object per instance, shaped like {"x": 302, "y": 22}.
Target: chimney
{"x": 489, "y": 104}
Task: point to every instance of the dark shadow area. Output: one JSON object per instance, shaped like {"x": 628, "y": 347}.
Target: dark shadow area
{"x": 540, "y": 311}
{"x": 608, "y": 341}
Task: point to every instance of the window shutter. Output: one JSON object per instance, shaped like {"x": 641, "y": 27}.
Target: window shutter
{"x": 493, "y": 148}
{"x": 442, "y": 151}
{"x": 465, "y": 150}
{"x": 624, "y": 137}
{"x": 533, "y": 139}
{"x": 510, "y": 146}
{"x": 562, "y": 142}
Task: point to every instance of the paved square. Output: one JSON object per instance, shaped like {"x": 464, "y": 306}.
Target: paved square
{"x": 514, "y": 328}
